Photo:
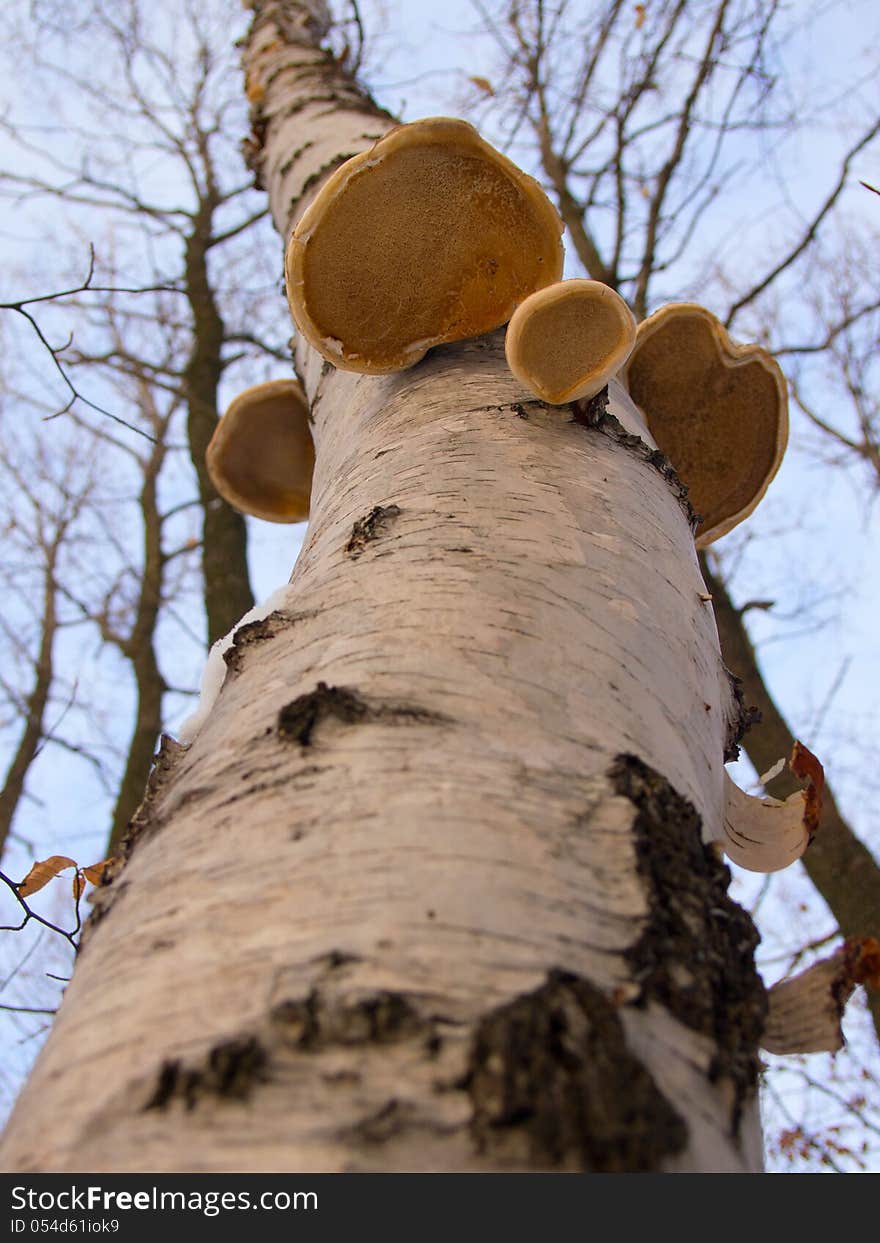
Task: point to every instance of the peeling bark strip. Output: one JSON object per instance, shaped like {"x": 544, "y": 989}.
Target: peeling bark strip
{"x": 232, "y": 1070}
{"x": 696, "y": 955}
{"x": 366, "y": 529}
{"x": 298, "y": 720}
{"x": 806, "y": 1011}
{"x": 552, "y": 1081}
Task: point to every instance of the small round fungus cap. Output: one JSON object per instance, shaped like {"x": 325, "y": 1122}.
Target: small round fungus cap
{"x": 566, "y": 341}
{"x": 430, "y": 236}
{"x": 718, "y": 410}
{"x": 261, "y": 455}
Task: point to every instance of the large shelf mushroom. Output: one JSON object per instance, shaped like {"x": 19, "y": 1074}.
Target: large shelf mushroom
{"x": 430, "y": 236}
{"x": 261, "y": 455}
{"x": 718, "y": 410}
{"x": 566, "y": 341}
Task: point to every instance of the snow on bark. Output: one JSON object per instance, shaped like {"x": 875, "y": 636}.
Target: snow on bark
{"x": 430, "y": 877}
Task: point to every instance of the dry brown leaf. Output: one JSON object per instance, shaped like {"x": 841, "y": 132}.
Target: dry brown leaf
{"x": 811, "y": 774}
{"x": 255, "y": 91}
{"x": 79, "y": 885}
{"x": 483, "y": 84}
{"x": 95, "y": 872}
{"x": 41, "y": 873}
{"x": 640, "y": 16}
{"x": 864, "y": 960}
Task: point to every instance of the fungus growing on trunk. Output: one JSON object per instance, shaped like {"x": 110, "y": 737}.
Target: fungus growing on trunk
{"x": 718, "y": 410}
{"x": 430, "y": 236}
{"x": 261, "y": 455}
{"x": 566, "y": 341}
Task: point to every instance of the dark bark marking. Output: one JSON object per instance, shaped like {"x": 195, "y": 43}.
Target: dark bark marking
{"x": 298, "y": 720}
{"x": 741, "y": 721}
{"x": 325, "y": 170}
{"x": 517, "y": 407}
{"x": 340, "y": 958}
{"x": 370, "y": 528}
{"x": 594, "y": 414}
{"x": 289, "y": 163}
{"x": 232, "y": 1070}
{"x": 696, "y": 954}
{"x": 255, "y": 632}
{"x": 552, "y": 1082}
{"x": 382, "y": 1125}
{"x": 317, "y": 1022}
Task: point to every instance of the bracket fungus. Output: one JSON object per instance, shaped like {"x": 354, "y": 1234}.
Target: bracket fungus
{"x": 261, "y": 455}
{"x": 430, "y": 236}
{"x": 567, "y": 340}
{"x": 718, "y": 410}
{"x": 765, "y": 834}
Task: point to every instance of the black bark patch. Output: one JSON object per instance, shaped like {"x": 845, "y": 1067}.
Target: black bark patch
{"x": 325, "y": 170}
{"x": 289, "y": 163}
{"x": 317, "y": 1022}
{"x": 552, "y": 1082}
{"x": 382, "y": 1125}
{"x": 696, "y": 954}
{"x": 740, "y": 722}
{"x": 516, "y": 407}
{"x": 253, "y": 633}
{"x": 298, "y": 720}
{"x": 337, "y": 959}
{"x": 231, "y": 1070}
{"x": 366, "y": 529}
{"x": 594, "y": 415}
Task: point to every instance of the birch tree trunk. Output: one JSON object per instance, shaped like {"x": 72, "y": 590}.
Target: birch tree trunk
{"x": 429, "y": 889}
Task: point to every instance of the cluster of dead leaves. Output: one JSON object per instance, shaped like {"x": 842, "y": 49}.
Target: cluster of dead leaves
{"x": 47, "y": 869}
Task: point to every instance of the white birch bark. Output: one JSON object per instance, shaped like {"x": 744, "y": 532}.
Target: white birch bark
{"x": 401, "y": 906}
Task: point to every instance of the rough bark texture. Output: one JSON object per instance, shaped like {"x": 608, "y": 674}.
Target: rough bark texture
{"x": 401, "y": 903}
{"x": 841, "y": 867}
